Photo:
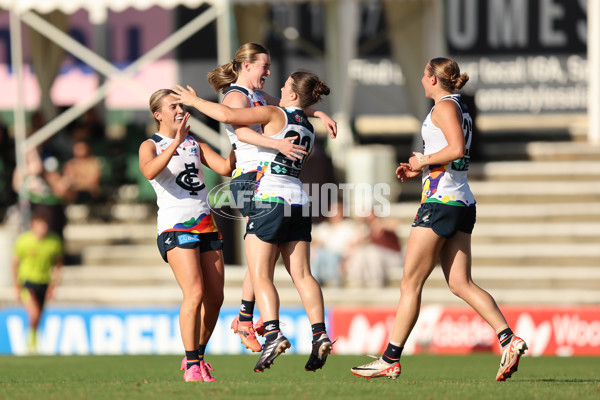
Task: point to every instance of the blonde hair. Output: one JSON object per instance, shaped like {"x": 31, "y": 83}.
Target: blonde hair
{"x": 156, "y": 103}
{"x": 447, "y": 72}
{"x": 308, "y": 87}
{"x": 224, "y": 75}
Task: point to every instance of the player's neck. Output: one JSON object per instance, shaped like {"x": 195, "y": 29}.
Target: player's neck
{"x": 441, "y": 94}
{"x": 166, "y": 133}
{"x": 242, "y": 81}
{"x": 289, "y": 104}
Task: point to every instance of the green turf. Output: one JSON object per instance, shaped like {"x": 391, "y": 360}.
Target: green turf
{"x": 423, "y": 377}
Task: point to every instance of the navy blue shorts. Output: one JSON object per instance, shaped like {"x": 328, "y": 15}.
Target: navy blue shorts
{"x": 242, "y": 191}
{"x": 280, "y": 223}
{"x": 186, "y": 240}
{"x": 446, "y": 220}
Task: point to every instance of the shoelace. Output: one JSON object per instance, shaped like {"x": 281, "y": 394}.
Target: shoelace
{"x": 205, "y": 370}
{"x": 372, "y": 362}
{"x": 332, "y": 343}
{"x": 319, "y": 348}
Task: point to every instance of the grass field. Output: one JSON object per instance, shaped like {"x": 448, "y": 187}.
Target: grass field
{"x": 423, "y": 377}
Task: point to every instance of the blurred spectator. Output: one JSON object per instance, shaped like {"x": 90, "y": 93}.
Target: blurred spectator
{"x": 56, "y": 148}
{"x": 374, "y": 257}
{"x": 94, "y": 124}
{"x": 82, "y": 174}
{"x": 331, "y": 240}
{"x": 92, "y": 130}
{"x": 42, "y": 186}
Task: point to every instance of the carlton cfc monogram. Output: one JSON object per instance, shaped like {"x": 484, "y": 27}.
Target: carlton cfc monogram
{"x": 188, "y": 179}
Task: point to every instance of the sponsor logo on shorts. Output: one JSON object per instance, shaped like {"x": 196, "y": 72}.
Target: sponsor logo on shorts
{"x": 187, "y": 238}
{"x": 426, "y": 215}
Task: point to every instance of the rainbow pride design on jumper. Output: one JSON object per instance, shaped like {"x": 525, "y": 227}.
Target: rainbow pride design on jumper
{"x": 433, "y": 180}
{"x": 431, "y": 187}
{"x": 203, "y": 224}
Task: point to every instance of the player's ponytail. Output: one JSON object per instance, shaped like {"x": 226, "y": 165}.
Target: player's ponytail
{"x": 221, "y": 77}
{"x": 224, "y": 75}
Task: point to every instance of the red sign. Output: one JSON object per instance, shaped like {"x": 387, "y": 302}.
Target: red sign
{"x": 563, "y": 331}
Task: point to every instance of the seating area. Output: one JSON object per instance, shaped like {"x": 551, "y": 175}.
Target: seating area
{"x": 535, "y": 241}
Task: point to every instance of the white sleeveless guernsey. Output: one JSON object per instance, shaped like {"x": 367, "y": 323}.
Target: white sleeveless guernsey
{"x": 181, "y": 195}
{"x": 277, "y": 177}
{"x": 447, "y": 183}
{"x": 245, "y": 153}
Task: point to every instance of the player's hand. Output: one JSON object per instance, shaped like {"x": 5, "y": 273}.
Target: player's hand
{"x": 404, "y": 172}
{"x": 414, "y": 161}
{"x": 292, "y": 151}
{"x": 183, "y": 130}
{"x": 185, "y": 95}
{"x": 329, "y": 123}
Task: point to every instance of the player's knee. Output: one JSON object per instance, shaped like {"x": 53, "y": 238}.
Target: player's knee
{"x": 458, "y": 288}
{"x": 301, "y": 274}
{"x": 410, "y": 286}
{"x": 214, "y": 300}
{"x": 193, "y": 296}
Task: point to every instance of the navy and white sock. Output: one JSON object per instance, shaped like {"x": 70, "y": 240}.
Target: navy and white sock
{"x": 192, "y": 358}
{"x": 246, "y": 311}
{"x": 317, "y": 330}
{"x": 505, "y": 336}
{"x": 201, "y": 351}
{"x": 392, "y": 353}
{"x": 271, "y": 330}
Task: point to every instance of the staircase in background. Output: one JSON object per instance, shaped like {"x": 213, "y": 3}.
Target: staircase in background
{"x": 537, "y": 236}
{"x": 536, "y": 241}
